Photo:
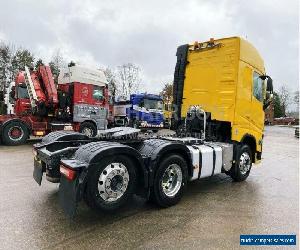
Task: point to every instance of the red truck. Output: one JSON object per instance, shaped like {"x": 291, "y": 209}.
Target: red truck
{"x": 79, "y": 102}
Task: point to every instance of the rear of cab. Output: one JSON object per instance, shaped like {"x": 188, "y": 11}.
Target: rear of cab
{"x": 224, "y": 80}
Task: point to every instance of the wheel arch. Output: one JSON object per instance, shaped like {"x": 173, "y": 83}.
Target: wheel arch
{"x": 89, "y": 121}
{"x": 251, "y": 142}
{"x": 157, "y": 150}
{"x": 93, "y": 153}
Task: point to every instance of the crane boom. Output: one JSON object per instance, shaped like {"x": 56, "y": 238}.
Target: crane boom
{"x": 30, "y": 88}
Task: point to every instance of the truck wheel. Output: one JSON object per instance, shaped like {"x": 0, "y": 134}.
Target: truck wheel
{"x": 111, "y": 183}
{"x": 243, "y": 163}
{"x": 89, "y": 129}
{"x": 134, "y": 123}
{"x": 15, "y": 133}
{"x": 169, "y": 182}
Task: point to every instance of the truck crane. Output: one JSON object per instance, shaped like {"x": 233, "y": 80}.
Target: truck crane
{"x": 220, "y": 88}
{"x": 79, "y": 102}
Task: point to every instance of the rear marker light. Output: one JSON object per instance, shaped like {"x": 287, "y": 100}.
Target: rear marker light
{"x": 67, "y": 172}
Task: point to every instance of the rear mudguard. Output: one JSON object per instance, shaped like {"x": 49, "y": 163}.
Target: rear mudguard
{"x": 156, "y": 149}
{"x": 52, "y": 148}
{"x": 61, "y": 136}
{"x": 147, "y": 156}
{"x": 71, "y": 192}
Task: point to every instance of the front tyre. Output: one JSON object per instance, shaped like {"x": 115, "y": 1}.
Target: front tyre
{"x": 111, "y": 183}
{"x": 243, "y": 163}
{"x": 169, "y": 182}
{"x": 88, "y": 128}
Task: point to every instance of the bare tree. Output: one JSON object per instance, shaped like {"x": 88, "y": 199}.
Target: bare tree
{"x": 167, "y": 92}
{"x": 284, "y": 96}
{"x": 112, "y": 81}
{"x": 129, "y": 78}
{"x": 57, "y": 62}
{"x": 296, "y": 99}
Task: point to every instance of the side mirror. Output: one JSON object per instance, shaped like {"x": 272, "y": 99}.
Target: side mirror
{"x": 270, "y": 85}
{"x": 12, "y": 93}
{"x": 269, "y": 90}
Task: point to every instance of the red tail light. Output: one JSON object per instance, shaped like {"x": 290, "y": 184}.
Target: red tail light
{"x": 67, "y": 172}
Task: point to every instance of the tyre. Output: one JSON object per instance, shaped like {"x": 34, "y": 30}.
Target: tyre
{"x": 111, "y": 183}
{"x": 243, "y": 163}
{"x": 134, "y": 124}
{"x": 15, "y": 133}
{"x": 88, "y": 128}
{"x": 169, "y": 181}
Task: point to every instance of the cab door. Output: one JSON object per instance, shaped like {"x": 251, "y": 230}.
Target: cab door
{"x": 257, "y": 112}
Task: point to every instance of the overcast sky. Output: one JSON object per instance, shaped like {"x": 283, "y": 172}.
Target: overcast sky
{"x": 147, "y": 33}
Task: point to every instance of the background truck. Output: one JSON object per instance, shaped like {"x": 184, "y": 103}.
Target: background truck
{"x": 220, "y": 88}
{"x": 120, "y": 114}
{"x": 77, "y": 103}
{"x": 140, "y": 111}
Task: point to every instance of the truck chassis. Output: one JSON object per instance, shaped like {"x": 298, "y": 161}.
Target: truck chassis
{"x": 106, "y": 171}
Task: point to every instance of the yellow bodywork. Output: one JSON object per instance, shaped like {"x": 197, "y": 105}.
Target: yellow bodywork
{"x": 220, "y": 80}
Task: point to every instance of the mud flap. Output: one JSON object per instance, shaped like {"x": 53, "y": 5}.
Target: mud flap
{"x": 70, "y": 193}
{"x": 38, "y": 171}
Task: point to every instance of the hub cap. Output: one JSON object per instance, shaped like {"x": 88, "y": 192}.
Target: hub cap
{"x": 245, "y": 163}
{"x": 88, "y": 132}
{"x": 113, "y": 182}
{"x": 172, "y": 180}
{"x": 15, "y": 133}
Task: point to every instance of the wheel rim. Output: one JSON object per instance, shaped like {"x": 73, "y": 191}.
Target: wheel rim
{"x": 245, "y": 163}
{"x": 113, "y": 182}
{"x": 88, "y": 132}
{"x": 15, "y": 133}
{"x": 172, "y": 180}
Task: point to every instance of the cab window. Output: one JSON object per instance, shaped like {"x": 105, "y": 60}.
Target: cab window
{"x": 22, "y": 92}
{"x": 98, "y": 93}
{"x": 257, "y": 87}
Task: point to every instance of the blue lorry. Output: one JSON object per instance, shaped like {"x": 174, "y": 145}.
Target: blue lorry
{"x": 140, "y": 111}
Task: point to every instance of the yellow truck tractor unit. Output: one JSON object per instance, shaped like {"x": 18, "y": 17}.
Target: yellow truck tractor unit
{"x": 226, "y": 79}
